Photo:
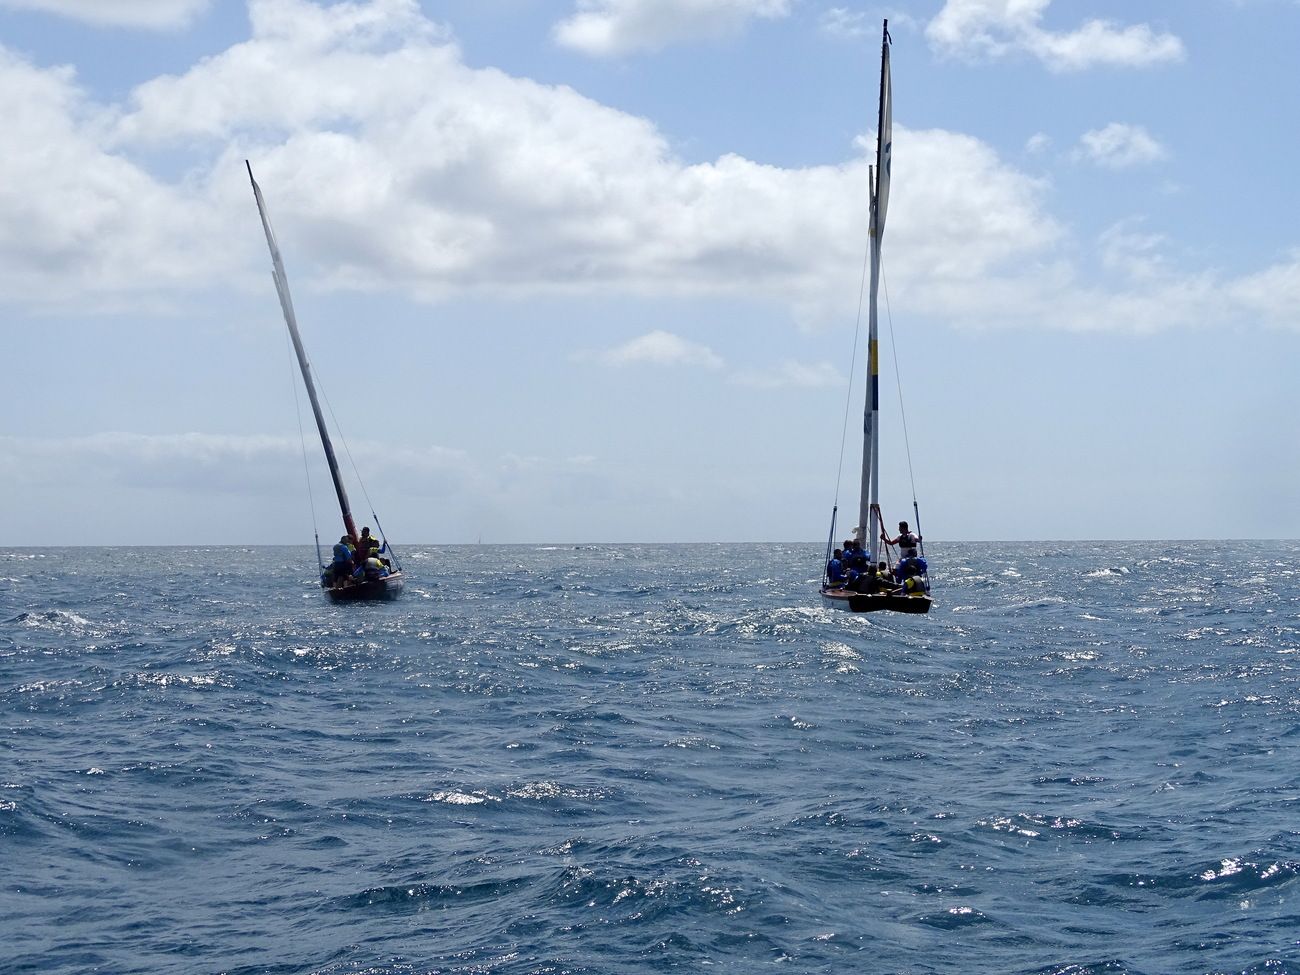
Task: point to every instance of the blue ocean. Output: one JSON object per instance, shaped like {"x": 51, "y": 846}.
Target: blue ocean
{"x": 640, "y": 758}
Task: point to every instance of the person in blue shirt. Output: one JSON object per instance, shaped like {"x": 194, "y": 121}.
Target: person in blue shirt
{"x": 835, "y": 574}
{"x": 913, "y": 565}
{"x": 911, "y": 574}
{"x": 341, "y": 568}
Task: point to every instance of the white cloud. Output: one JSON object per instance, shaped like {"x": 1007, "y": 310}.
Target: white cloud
{"x": 1038, "y": 143}
{"x": 608, "y": 28}
{"x": 389, "y": 165}
{"x": 152, "y": 14}
{"x": 219, "y": 464}
{"x": 206, "y": 463}
{"x": 792, "y": 375}
{"x": 75, "y": 217}
{"x": 978, "y": 29}
{"x": 162, "y": 485}
{"x": 1118, "y": 146}
{"x": 1132, "y": 253}
{"x": 660, "y": 348}
{"x": 213, "y": 463}
{"x": 842, "y": 22}
{"x": 1272, "y": 294}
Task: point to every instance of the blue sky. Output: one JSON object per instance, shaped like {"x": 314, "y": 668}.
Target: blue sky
{"x": 587, "y": 270}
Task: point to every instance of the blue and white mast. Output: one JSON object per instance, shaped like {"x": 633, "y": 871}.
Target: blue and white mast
{"x": 869, "y": 513}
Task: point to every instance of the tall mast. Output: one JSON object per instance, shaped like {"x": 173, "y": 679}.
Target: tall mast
{"x": 869, "y": 510}
{"x": 290, "y": 319}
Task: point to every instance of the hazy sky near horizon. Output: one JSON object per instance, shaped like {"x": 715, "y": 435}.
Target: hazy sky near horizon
{"x": 588, "y": 270}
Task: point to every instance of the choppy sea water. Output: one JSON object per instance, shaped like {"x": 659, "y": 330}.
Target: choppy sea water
{"x": 632, "y": 759}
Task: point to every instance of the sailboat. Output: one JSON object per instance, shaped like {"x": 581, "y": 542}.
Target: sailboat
{"x": 381, "y": 581}
{"x": 864, "y": 594}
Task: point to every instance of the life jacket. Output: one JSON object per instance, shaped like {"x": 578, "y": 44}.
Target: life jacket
{"x": 835, "y": 570}
{"x": 374, "y": 568}
{"x": 907, "y": 543}
{"x": 342, "y": 553}
{"x": 915, "y": 586}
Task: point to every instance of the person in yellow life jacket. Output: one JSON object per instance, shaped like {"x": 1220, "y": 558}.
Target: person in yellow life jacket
{"x": 914, "y": 586}
{"x": 370, "y": 545}
{"x": 881, "y": 582}
{"x": 370, "y": 569}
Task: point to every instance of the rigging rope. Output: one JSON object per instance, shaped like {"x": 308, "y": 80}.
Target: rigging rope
{"x": 302, "y": 438}
{"x": 898, "y": 379}
{"x": 853, "y": 368}
{"x": 848, "y": 405}
{"x": 907, "y": 443}
{"x": 356, "y": 471}
{"x": 384, "y": 538}
{"x": 830, "y": 548}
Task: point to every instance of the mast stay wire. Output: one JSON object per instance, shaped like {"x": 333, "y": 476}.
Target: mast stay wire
{"x": 907, "y": 443}
{"x": 848, "y": 403}
{"x": 356, "y": 471}
{"x": 853, "y": 364}
{"x": 898, "y": 379}
{"x": 302, "y": 438}
{"x": 848, "y": 396}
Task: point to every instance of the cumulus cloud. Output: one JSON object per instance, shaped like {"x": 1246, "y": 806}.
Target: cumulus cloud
{"x": 845, "y": 23}
{"x": 1038, "y": 143}
{"x": 151, "y": 14}
{"x": 212, "y": 463}
{"x": 76, "y": 217}
{"x": 609, "y": 28}
{"x": 979, "y": 29}
{"x": 390, "y": 165}
{"x": 659, "y": 348}
{"x": 1125, "y": 248}
{"x": 1119, "y": 146}
{"x": 790, "y": 374}
{"x": 1273, "y": 294}
{"x": 163, "y": 483}
{"x": 207, "y": 463}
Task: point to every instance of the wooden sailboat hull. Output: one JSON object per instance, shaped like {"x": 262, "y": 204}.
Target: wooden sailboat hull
{"x": 859, "y": 602}
{"x": 389, "y": 587}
